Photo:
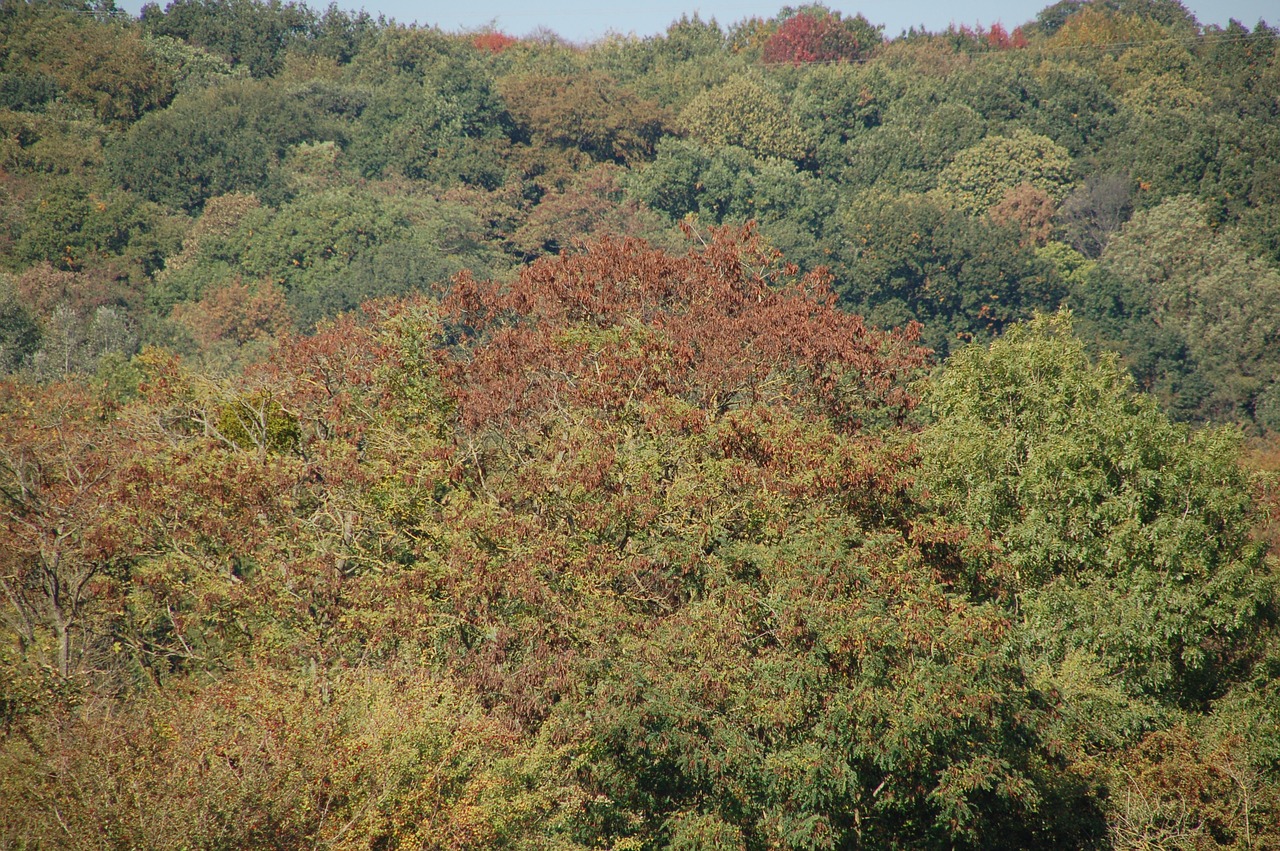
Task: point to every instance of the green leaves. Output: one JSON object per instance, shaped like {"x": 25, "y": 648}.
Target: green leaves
{"x": 745, "y": 113}
{"x": 210, "y": 142}
{"x": 1106, "y": 518}
{"x": 908, "y": 257}
{"x": 821, "y": 691}
{"x": 589, "y": 112}
{"x": 980, "y": 176}
{"x": 1173, "y": 274}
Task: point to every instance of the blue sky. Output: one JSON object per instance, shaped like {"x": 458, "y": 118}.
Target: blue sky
{"x": 585, "y": 20}
{"x": 579, "y": 20}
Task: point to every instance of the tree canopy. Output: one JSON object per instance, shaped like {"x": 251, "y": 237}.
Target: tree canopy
{"x": 761, "y": 435}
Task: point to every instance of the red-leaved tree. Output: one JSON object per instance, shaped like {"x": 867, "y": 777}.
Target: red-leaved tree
{"x": 816, "y": 34}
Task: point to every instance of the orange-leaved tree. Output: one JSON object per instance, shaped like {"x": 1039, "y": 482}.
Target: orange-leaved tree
{"x": 66, "y": 538}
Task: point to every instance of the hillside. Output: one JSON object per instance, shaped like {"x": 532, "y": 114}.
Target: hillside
{"x": 751, "y": 438}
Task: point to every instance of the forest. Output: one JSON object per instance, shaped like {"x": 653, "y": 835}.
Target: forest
{"x": 780, "y": 434}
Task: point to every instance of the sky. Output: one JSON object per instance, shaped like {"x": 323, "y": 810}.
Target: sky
{"x": 585, "y": 20}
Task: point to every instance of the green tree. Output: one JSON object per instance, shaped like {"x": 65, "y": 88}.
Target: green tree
{"x": 317, "y": 235}
{"x": 193, "y": 68}
{"x": 58, "y": 141}
{"x": 1122, "y": 541}
{"x": 403, "y": 130}
{"x": 908, "y": 258}
{"x": 209, "y": 251}
{"x": 673, "y": 181}
{"x": 328, "y": 250}
{"x": 1001, "y": 87}
{"x": 426, "y": 102}
{"x": 745, "y": 113}
{"x": 917, "y": 126}
{"x": 1073, "y": 107}
{"x": 251, "y": 33}
{"x": 589, "y": 112}
{"x": 26, "y": 91}
{"x": 674, "y": 67}
{"x": 19, "y": 333}
{"x": 793, "y": 209}
{"x": 71, "y": 229}
{"x": 837, "y": 104}
{"x": 211, "y": 142}
{"x": 101, "y": 65}
{"x": 980, "y": 176}
{"x": 441, "y": 240}
{"x": 1171, "y": 274}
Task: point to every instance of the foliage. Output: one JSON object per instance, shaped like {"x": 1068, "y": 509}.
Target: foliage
{"x": 1103, "y": 26}
{"x": 910, "y": 259}
{"x": 730, "y": 185}
{"x": 237, "y": 313}
{"x": 979, "y": 177}
{"x": 734, "y": 643}
{"x": 26, "y": 91}
{"x": 422, "y": 103}
{"x": 1117, "y": 534}
{"x": 316, "y": 236}
{"x": 1030, "y": 209}
{"x": 816, "y": 34}
{"x": 104, "y": 66}
{"x": 193, "y": 68}
{"x": 332, "y": 250}
{"x": 1179, "y": 791}
{"x": 365, "y": 481}
{"x": 1072, "y": 105}
{"x": 561, "y": 572}
{"x": 67, "y": 541}
{"x": 51, "y": 143}
{"x": 671, "y": 68}
{"x": 246, "y": 33}
{"x": 744, "y": 113}
{"x": 837, "y": 104}
{"x": 71, "y": 229}
{"x": 75, "y": 342}
{"x": 1173, "y": 273}
{"x": 588, "y": 112}
{"x": 592, "y": 206}
{"x": 19, "y": 333}
{"x": 1095, "y": 210}
{"x": 267, "y": 759}
{"x": 210, "y": 142}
